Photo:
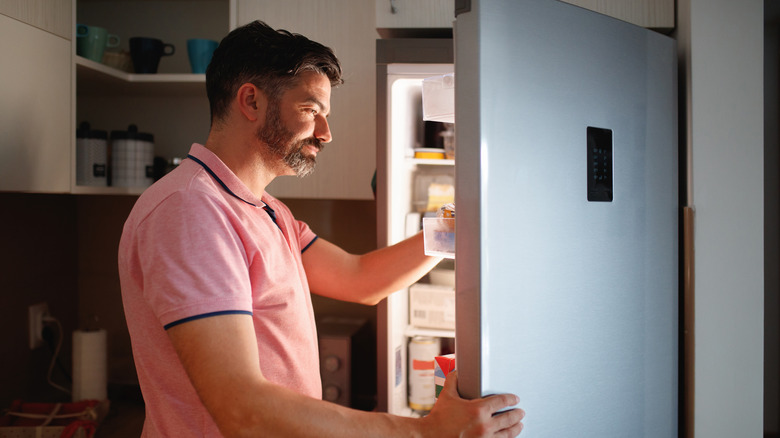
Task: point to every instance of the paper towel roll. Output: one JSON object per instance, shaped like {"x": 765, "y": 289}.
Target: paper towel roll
{"x": 89, "y": 365}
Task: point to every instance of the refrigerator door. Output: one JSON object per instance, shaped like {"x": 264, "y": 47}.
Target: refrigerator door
{"x": 567, "y": 213}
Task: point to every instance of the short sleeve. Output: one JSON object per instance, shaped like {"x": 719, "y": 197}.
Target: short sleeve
{"x": 194, "y": 265}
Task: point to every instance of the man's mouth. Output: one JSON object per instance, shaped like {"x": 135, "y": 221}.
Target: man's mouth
{"x": 314, "y": 144}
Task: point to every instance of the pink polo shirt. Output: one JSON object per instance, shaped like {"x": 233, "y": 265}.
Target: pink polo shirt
{"x": 198, "y": 243}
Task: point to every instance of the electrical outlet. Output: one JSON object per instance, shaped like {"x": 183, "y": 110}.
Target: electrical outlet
{"x": 36, "y": 312}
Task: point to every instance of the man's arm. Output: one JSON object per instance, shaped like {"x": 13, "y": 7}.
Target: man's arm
{"x": 368, "y": 278}
{"x": 220, "y": 356}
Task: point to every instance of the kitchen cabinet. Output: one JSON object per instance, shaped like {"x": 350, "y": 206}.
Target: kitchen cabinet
{"x": 425, "y": 18}
{"x": 53, "y": 16}
{"x": 170, "y": 104}
{"x": 35, "y": 96}
{"x": 414, "y": 18}
{"x": 54, "y": 89}
{"x": 345, "y": 166}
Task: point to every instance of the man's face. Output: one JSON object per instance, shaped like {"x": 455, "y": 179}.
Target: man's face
{"x": 296, "y": 126}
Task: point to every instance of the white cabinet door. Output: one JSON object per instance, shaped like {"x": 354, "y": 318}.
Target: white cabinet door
{"x": 394, "y": 16}
{"x": 346, "y": 166}
{"x": 35, "y": 109}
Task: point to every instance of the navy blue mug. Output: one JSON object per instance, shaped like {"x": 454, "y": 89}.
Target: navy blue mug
{"x": 146, "y": 53}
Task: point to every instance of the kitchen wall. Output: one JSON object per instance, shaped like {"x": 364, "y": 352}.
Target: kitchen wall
{"x": 38, "y": 244}
{"x": 721, "y": 54}
{"x": 62, "y": 249}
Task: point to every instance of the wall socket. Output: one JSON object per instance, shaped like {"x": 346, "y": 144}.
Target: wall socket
{"x": 36, "y": 313}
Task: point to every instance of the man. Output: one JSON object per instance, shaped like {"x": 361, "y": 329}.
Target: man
{"x": 216, "y": 274}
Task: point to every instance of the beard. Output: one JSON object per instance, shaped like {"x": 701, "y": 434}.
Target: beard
{"x": 282, "y": 144}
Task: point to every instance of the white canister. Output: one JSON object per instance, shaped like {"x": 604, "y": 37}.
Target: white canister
{"x": 422, "y": 387}
{"x": 91, "y": 156}
{"x": 132, "y": 158}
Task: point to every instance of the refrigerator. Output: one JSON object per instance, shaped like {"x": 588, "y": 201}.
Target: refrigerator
{"x": 566, "y": 235}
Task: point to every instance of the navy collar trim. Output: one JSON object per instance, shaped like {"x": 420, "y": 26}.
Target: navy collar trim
{"x": 217, "y": 179}
{"x": 266, "y": 207}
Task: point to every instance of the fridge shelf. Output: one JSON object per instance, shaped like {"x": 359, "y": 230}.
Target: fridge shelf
{"x": 412, "y": 331}
{"x": 431, "y": 161}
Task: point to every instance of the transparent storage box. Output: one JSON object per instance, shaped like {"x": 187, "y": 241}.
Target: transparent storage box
{"x": 438, "y": 96}
{"x": 439, "y": 236}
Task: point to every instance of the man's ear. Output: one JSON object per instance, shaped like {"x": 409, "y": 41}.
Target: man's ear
{"x": 251, "y": 102}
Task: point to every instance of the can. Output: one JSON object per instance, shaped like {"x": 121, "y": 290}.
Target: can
{"x": 422, "y": 389}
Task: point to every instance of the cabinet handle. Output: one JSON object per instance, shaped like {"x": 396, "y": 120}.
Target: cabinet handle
{"x": 393, "y": 9}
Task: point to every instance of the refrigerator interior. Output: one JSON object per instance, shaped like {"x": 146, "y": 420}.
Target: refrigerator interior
{"x": 401, "y": 186}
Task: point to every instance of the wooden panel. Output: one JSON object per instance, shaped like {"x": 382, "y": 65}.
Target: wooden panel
{"x": 345, "y": 166}
{"x": 414, "y": 13}
{"x": 655, "y": 14}
{"x": 35, "y": 109}
{"x": 53, "y": 16}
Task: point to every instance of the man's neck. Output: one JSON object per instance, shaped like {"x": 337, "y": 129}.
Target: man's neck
{"x": 248, "y": 160}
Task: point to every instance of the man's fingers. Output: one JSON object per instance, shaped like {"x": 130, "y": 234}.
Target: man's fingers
{"x": 502, "y": 424}
{"x": 507, "y": 419}
{"x": 451, "y": 383}
{"x": 495, "y": 403}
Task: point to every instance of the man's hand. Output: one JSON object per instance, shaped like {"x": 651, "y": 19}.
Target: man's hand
{"x": 454, "y": 416}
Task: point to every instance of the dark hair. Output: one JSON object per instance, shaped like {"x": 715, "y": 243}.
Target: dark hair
{"x": 270, "y": 59}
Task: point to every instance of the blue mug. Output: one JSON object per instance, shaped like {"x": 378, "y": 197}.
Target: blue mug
{"x": 200, "y": 52}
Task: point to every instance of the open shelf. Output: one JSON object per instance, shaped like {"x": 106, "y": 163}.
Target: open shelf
{"x": 94, "y": 78}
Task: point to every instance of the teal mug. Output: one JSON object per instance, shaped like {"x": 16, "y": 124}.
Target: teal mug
{"x": 200, "y": 52}
{"x": 92, "y": 41}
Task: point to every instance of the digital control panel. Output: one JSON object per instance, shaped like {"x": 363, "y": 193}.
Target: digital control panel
{"x": 600, "y": 164}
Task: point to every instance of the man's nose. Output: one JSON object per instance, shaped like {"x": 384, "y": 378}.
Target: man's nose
{"x": 322, "y": 130}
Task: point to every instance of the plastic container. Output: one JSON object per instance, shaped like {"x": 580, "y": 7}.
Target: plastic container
{"x": 429, "y": 153}
{"x": 431, "y": 190}
{"x": 448, "y": 139}
{"x": 439, "y": 236}
{"x": 438, "y": 96}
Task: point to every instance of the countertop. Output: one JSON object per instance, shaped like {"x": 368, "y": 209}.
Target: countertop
{"x": 126, "y": 414}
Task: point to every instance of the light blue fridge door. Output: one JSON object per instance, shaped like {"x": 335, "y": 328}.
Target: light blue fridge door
{"x": 567, "y": 217}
